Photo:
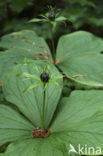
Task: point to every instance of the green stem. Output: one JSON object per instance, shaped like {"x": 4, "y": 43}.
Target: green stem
{"x": 53, "y": 43}
{"x": 43, "y": 112}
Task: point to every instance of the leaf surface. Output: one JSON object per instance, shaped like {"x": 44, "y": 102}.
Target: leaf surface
{"x": 84, "y": 69}
{"x": 13, "y": 126}
{"x": 11, "y": 58}
{"x": 77, "y": 43}
{"x": 79, "y": 120}
{"x": 30, "y": 102}
{"x": 20, "y": 45}
{"x": 38, "y": 147}
{"x": 26, "y": 40}
{"x": 79, "y": 57}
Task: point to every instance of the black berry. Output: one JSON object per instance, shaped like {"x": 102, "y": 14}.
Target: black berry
{"x": 51, "y": 16}
{"x": 44, "y": 77}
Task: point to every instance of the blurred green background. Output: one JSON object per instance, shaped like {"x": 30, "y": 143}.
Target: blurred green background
{"x": 84, "y": 14}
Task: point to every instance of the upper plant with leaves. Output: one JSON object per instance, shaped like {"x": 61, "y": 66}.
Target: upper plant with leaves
{"x": 78, "y": 55}
{"x": 52, "y": 17}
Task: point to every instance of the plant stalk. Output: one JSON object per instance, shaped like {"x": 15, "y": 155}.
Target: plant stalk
{"x": 43, "y": 112}
{"x": 53, "y": 43}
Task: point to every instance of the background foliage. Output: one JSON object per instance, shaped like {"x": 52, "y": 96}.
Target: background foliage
{"x": 85, "y": 15}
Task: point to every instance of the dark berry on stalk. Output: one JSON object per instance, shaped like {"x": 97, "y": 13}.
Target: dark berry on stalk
{"x": 51, "y": 16}
{"x": 44, "y": 77}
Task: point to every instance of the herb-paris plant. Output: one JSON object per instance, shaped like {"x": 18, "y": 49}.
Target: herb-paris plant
{"x": 77, "y": 119}
{"x": 43, "y": 123}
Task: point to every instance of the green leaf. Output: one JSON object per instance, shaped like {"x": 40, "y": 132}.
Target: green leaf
{"x": 20, "y": 45}
{"x": 79, "y": 119}
{"x": 10, "y": 59}
{"x": 62, "y": 19}
{"x": 31, "y": 86}
{"x": 79, "y": 106}
{"x": 18, "y": 5}
{"x": 36, "y": 20}
{"x": 25, "y": 40}
{"x": 78, "y": 56}
{"x": 30, "y": 103}
{"x": 83, "y": 2}
{"x": 96, "y": 21}
{"x": 13, "y": 126}
{"x": 79, "y": 43}
{"x": 50, "y": 146}
{"x": 89, "y": 67}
